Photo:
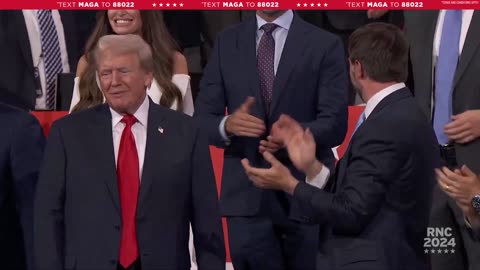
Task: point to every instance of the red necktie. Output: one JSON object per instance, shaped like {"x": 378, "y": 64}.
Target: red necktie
{"x": 128, "y": 186}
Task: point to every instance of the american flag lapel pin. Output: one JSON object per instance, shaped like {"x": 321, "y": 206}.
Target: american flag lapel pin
{"x": 160, "y": 129}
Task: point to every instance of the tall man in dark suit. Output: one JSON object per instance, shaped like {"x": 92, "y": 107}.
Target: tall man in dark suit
{"x": 376, "y": 205}
{"x": 273, "y": 63}
{"x": 21, "y": 152}
{"x": 36, "y": 46}
{"x": 445, "y": 57}
{"x": 122, "y": 181}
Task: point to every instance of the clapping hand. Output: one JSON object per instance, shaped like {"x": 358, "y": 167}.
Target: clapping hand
{"x": 242, "y": 123}
{"x": 461, "y": 185}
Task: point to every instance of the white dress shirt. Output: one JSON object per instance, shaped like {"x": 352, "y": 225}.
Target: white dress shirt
{"x": 321, "y": 178}
{"x": 280, "y": 36}
{"x": 33, "y": 30}
{"x": 182, "y": 81}
{"x": 139, "y": 130}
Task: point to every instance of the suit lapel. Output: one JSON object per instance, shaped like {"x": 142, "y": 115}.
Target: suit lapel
{"x": 472, "y": 42}
{"x": 292, "y": 51}
{"x": 19, "y": 28}
{"x": 103, "y": 139}
{"x": 248, "y": 46}
{"x": 157, "y": 142}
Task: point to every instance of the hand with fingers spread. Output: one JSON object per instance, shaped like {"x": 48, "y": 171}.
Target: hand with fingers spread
{"x": 465, "y": 127}
{"x": 285, "y": 128}
{"x": 242, "y": 123}
{"x": 301, "y": 151}
{"x": 461, "y": 185}
{"x": 277, "y": 177}
{"x": 300, "y": 145}
{"x": 282, "y": 131}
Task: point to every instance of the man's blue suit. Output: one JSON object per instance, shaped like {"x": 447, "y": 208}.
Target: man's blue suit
{"x": 310, "y": 86}
{"x": 21, "y": 152}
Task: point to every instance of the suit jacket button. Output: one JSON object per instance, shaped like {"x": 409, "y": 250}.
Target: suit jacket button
{"x": 113, "y": 261}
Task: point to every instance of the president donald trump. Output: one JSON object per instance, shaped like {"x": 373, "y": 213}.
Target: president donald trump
{"x": 121, "y": 181}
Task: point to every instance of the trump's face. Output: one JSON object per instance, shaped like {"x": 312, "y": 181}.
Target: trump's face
{"x": 123, "y": 81}
{"x": 125, "y": 21}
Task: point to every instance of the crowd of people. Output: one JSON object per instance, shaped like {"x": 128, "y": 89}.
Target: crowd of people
{"x": 125, "y": 181}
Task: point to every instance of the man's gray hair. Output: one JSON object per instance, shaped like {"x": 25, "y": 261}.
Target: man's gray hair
{"x": 126, "y": 44}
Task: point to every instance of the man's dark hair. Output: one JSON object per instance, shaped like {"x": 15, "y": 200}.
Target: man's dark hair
{"x": 382, "y": 49}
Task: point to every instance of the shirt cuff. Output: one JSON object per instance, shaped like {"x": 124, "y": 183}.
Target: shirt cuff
{"x": 320, "y": 180}
{"x": 222, "y": 130}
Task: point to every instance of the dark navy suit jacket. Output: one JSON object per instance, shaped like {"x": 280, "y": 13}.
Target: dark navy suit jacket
{"x": 310, "y": 86}
{"x": 21, "y": 152}
{"x": 77, "y": 207}
{"x": 376, "y": 206}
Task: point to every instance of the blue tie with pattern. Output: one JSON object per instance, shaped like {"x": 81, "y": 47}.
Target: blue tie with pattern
{"x": 51, "y": 54}
{"x": 266, "y": 62}
{"x": 445, "y": 71}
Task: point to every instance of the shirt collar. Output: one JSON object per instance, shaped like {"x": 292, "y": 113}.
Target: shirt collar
{"x": 378, "y": 97}
{"x": 283, "y": 21}
{"x": 141, "y": 114}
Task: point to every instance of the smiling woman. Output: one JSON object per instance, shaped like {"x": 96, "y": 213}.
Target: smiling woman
{"x": 171, "y": 84}
{"x": 125, "y": 22}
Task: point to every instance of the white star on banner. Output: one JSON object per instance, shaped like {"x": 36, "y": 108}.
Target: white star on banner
{"x": 174, "y": 4}
{"x": 298, "y": 4}
{"x": 325, "y": 4}
{"x": 319, "y": 5}
{"x": 181, "y": 4}
{"x": 154, "y": 5}
{"x": 305, "y": 5}
{"x": 160, "y": 5}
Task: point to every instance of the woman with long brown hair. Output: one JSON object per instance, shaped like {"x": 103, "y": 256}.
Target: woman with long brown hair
{"x": 171, "y": 84}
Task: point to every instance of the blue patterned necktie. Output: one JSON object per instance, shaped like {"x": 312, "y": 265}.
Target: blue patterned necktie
{"x": 445, "y": 71}
{"x": 265, "y": 63}
{"x": 51, "y": 54}
{"x": 360, "y": 121}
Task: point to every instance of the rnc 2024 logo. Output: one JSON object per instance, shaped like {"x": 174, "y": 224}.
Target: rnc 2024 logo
{"x": 439, "y": 241}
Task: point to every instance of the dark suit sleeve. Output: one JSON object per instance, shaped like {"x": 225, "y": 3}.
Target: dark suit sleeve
{"x": 211, "y": 103}
{"x": 206, "y": 220}
{"x": 330, "y": 126}
{"x": 352, "y": 207}
{"x": 26, "y": 158}
{"x": 49, "y": 204}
